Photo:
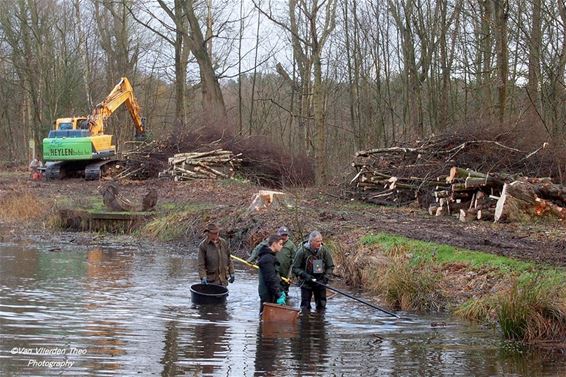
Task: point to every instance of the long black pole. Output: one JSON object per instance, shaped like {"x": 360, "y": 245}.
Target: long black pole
{"x": 357, "y": 299}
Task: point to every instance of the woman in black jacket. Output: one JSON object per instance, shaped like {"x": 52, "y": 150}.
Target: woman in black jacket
{"x": 269, "y": 282}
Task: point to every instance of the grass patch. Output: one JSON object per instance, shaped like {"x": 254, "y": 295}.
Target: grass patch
{"x": 175, "y": 222}
{"x": 407, "y": 287}
{"x": 532, "y": 310}
{"x": 23, "y": 207}
{"x": 526, "y": 300}
{"x": 476, "y": 309}
{"x": 438, "y": 254}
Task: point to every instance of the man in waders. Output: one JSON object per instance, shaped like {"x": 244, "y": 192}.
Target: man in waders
{"x": 269, "y": 287}
{"x": 214, "y": 263}
{"x": 284, "y": 257}
{"x": 313, "y": 264}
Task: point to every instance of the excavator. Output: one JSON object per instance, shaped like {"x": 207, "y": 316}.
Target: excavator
{"x": 78, "y": 146}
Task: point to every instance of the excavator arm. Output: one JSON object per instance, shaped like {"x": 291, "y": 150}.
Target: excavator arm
{"x": 122, "y": 93}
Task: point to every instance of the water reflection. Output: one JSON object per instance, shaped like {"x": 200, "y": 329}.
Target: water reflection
{"x": 210, "y": 336}
{"x": 106, "y": 272}
{"x": 171, "y": 349}
{"x": 310, "y": 348}
{"x": 272, "y": 347}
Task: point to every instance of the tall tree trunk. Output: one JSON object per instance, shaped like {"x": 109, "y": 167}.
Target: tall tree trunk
{"x": 320, "y": 154}
{"x": 444, "y": 68}
{"x": 240, "y": 76}
{"x": 212, "y": 98}
{"x": 535, "y": 44}
{"x": 181, "y": 62}
{"x": 83, "y": 50}
{"x": 501, "y": 8}
{"x": 484, "y": 56}
{"x": 558, "y": 83}
{"x": 254, "y": 76}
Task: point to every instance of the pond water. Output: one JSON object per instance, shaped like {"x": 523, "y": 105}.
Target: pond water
{"x": 126, "y": 311}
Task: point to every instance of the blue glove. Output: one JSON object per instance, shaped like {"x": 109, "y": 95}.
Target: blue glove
{"x": 281, "y": 299}
{"x": 231, "y": 279}
{"x": 204, "y": 281}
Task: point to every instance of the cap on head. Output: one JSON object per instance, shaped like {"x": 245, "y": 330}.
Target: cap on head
{"x": 283, "y": 231}
{"x": 212, "y": 228}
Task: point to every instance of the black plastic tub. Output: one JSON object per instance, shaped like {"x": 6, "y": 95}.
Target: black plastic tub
{"x": 208, "y": 294}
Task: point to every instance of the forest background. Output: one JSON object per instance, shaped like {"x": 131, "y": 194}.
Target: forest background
{"x": 319, "y": 77}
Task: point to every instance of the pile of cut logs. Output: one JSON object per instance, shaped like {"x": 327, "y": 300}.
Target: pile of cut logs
{"x": 470, "y": 195}
{"x": 498, "y": 197}
{"x": 212, "y": 164}
{"x": 397, "y": 176}
{"x": 402, "y": 175}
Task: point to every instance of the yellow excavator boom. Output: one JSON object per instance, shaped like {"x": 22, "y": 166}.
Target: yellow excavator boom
{"x": 122, "y": 93}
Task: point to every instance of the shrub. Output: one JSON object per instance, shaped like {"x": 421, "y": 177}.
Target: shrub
{"x": 476, "y": 309}
{"x": 532, "y": 310}
{"x": 407, "y": 287}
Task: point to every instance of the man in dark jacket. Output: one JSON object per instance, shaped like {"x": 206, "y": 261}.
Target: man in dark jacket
{"x": 313, "y": 264}
{"x": 269, "y": 287}
{"x": 284, "y": 257}
{"x": 214, "y": 263}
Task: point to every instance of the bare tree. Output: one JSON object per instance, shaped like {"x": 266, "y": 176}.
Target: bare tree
{"x": 178, "y": 40}
{"x": 213, "y": 100}
{"x": 501, "y": 14}
{"x": 310, "y": 24}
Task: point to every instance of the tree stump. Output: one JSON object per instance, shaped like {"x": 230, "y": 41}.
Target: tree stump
{"x": 265, "y": 199}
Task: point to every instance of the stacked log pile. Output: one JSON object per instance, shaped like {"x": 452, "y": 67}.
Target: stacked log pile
{"x": 397, "y": 176}
{"x": 526, "y": 199}
{"x": 471, "y": 195}
{"x": 212, "y": 164}
{"x": 403, "y": 175}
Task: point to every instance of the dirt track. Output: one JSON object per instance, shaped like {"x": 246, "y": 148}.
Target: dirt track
{"x": 504, "y": 239}
{"x": 342, "y": 220}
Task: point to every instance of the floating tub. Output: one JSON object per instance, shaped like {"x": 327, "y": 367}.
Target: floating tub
{"x": 208, "y": 294}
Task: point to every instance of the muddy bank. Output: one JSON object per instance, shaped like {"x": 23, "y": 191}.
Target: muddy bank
{"x": 191, "y": 204}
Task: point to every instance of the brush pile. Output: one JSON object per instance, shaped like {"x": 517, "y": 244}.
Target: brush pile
{"x": 141, "y": 160}
{"x": 257, "y": 158}
{"x": 444, "y": 175}
{"x": 212, "y": 164}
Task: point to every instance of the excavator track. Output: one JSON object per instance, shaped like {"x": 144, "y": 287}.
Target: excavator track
{"x": 91, "y": 170}
{"x": 53, "y": 170}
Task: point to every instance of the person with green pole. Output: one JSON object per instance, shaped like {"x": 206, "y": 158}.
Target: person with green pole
{"x": 313, "y": 264}
{"x": 269, "y": 286}
{"x": 284, "y": 257}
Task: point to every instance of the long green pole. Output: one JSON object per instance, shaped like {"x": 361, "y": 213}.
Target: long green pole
{"x": 357, "y": 299}
{"x": 286, "y": 280}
